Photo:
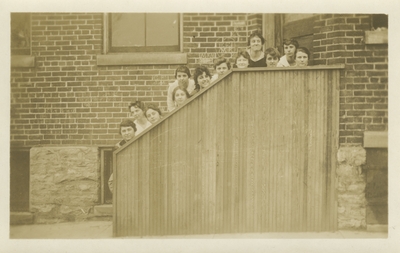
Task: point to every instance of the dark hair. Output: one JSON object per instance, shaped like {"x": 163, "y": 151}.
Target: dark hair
{"x": 255, "y": 34}
{"x": 291, "y": 41}
{"x": 138, "y": 104}
{"x": 127, "y": 123}
{"x": 304, "y": 50}
{"x": 221, "y": 60}
{"x": 243, "y": 53}
{"x": 183, "y": 69}
{"x": 153, "y": 107}
{"x": 198, "y": 72}
{"x": 273, "y": 52}
{"x": 182, "y": 89}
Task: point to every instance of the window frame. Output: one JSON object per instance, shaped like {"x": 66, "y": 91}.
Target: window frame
{"x": 108, "y": 58}
{"x": 22, "y": 58}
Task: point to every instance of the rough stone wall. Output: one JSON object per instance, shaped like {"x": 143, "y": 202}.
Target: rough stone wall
{"x": 351, "y": 188}
{"x": 64, "y": 183}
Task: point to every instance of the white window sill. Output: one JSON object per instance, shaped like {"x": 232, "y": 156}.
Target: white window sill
{"x": 376, "y": 37}
{"x": 141, "y": 59}
{"x": 22, "y": 61}
{"x": 375, "y": 139}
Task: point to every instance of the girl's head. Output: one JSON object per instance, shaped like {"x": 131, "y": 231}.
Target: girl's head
{"x": 272, "y": 56}
{"x": 201, "y": 77}
{"x": 153, "y": 113}
{"x": 302, "y": 57}
{"x": 222, "y": 65}
{"x": 179, "y": 95}
{"x": 136, "y": 110}
{"x": 182, "y": 72}
{"x": 255, "y": 41}
{"x": 127, "y": 129}
{"x": 242, "y": 59}
{"x": 290, "y": 46}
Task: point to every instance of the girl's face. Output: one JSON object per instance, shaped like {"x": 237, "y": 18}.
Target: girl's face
{"x": 289, "y": 49}
{"x": 127, "y": 133}
{"x": 301, "y": 59}
{"x": 203, "y": 80}
{"x": 255, "y": 43}
{"x": 180, "y": 97}
{"x": 153, "y": 116}
{"x": 182, "y": 76}
{"x": 136, "y": 113}
{"x": 272, "y": 61}
{"x": 222, "y": 68}
{"x": 242, "y": 62}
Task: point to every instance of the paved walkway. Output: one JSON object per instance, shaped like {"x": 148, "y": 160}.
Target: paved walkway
{"x": 103, "y": 229}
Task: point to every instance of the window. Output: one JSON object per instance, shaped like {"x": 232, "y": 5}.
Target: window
{"x": 142, "y": 39}
{"x": 144, "y": 32}
{"x": 20, "y": 33}
{"x": 379, "y": 21}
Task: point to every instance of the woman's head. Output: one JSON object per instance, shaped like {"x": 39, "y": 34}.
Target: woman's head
{"x": 153, "y": 113}
{"x": 136, "y": 110}
{"x": 242, "y": 59}
{"x": 302, "y": 57}
{"x": 201, "y": 77}
{"x": 255, "y": 41}
{"x": 222, "y": 65}
{"x": 179, "y": 95}
{"x": 290, "y": 46}
{"x": 272, "y": 56}
{"x": 127, "y": 129}
{"x": 182, "y": 72}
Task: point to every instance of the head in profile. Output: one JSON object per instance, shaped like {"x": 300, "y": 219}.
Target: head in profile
{"x": 272, "y": 57}
{"x": 302, "y": 57}
{"x": 242, "y": 60}
{"x": 202, "y": 77}
{"x": 179, "y": 96}
{"x": 136, "y": 110}
{"x": 153, "y": 113}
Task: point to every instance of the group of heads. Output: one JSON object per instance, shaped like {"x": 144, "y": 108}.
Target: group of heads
{"x": 291, "y": 48}
{"x": 138, "y": 110}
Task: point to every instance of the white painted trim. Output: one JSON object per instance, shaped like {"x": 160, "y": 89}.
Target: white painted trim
{"x": 375, "y": 139}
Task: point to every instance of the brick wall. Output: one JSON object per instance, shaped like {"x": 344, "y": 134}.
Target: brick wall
{"x": 67, "y": 99}
{"x": 338, "y": 39}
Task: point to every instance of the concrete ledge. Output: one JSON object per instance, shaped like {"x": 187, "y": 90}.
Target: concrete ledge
{"x": 103, "y": 210}
{"x": 377, "y": 228}
{"x": 21, "y": 218}
{"x": 22, "y": 61}
{"x": 375, "y": 139}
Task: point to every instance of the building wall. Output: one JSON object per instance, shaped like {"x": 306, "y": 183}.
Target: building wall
{"x": 339, "y": 39}
{"x": 67, "y": 99}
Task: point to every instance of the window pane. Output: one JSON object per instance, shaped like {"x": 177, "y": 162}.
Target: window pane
{"x": 162, "y": 29}
{"x": 128, "y": 29}
{"x": 20, "y": 33}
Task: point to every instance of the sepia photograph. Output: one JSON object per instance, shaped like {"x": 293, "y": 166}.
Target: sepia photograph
{"x": 142, "y": 124}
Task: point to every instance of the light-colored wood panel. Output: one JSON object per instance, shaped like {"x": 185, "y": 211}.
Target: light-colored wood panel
{"x": 253, "y": 153}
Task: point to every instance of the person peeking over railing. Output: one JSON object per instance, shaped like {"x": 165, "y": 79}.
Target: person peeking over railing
{"x": 302, "y": 57}
{"x": 136, "y": 110}
{"x": 179, "y": 96}
{"x": 202, "y": 78}
{"x": 255, "y": 44}
{"x": 182, "y": 76}
{"x": 272, "y": 57}
{"x": 127, "y": 130}
{"x": 289, "y": 47}
{"x": 221, "y": 66}
{"x": 242, "y": 60}
{"x": 153, "y": 113}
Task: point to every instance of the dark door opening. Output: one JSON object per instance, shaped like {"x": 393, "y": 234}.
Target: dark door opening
{"x": 19, "y": 180}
